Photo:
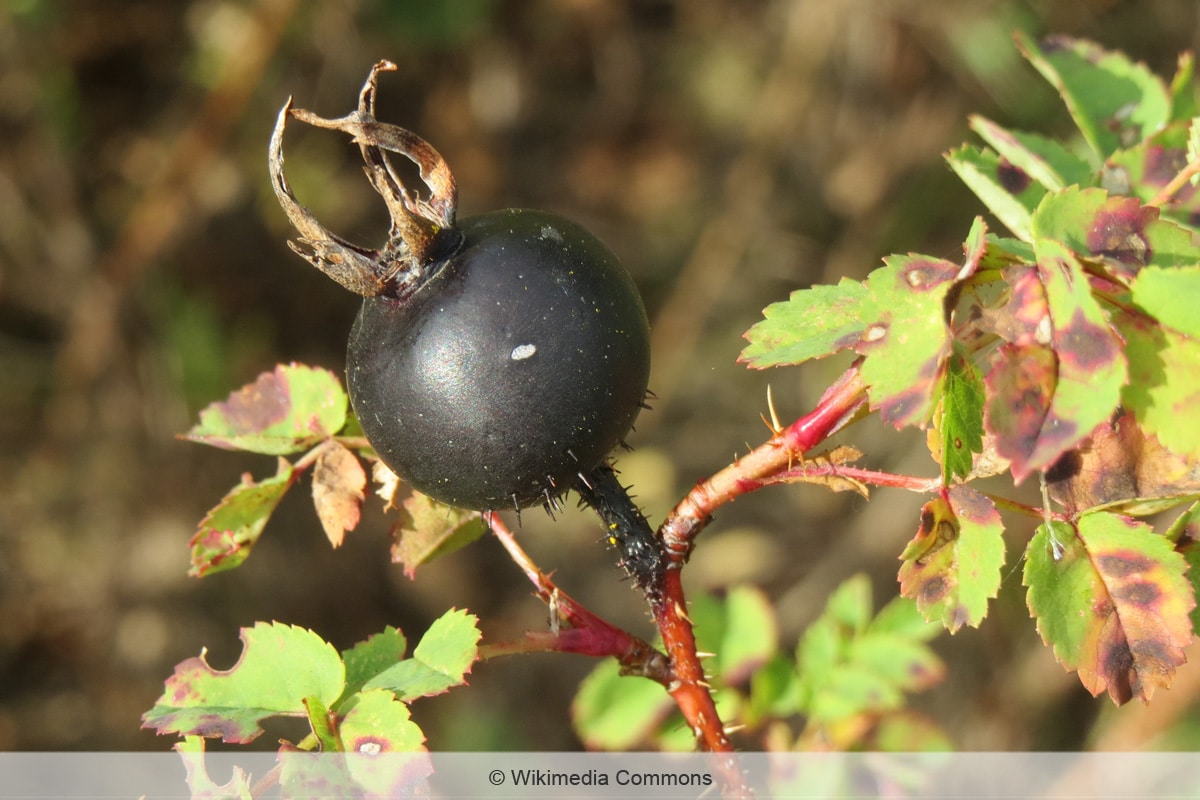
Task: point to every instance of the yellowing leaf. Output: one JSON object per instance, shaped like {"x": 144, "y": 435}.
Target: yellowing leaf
{"x": 429, "y": 529}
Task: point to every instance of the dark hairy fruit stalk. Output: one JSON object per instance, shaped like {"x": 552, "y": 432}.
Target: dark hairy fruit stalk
{"x": 641, "y": 551}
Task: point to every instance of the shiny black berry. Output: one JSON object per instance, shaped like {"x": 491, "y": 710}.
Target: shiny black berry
{"x": 518, "y": 364}
{"x": 496, "y": 361}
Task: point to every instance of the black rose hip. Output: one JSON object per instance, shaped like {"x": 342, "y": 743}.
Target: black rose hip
{"x": 495, "y": 361}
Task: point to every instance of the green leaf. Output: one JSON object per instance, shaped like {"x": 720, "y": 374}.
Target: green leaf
{"x": 849, "y": 664}
{"x": 428, "y": 529}
{"x": 1185, "y": 532}
{"x": 849, "y": 606}
{"x": 1183, "y": 89}
{"x": 369, "y": 658}
{"x": 441, "y": 659}
{"x": 1115, "y": 103}
{"x": 285, "y": 411}
{"x": 740, "y": 630}
{"x": 1006, "y": 190}
{"x": 612, "y": 711}
{"x": 1170, "y": 295}
{"x": 774, "y": 691}
{"x": 811, "y": 323}
{"x": 909, "y": 732}
{"x": 901, "y": 662}
{"x": 818, "y": 656}
{"x": 230, "y": 530}
{"x": 901, "y": 616}
{"x": 959, "y": 418}
{"x": 1005, "y": 251}
{"x": 851, "y": 690}
{"x": 952, "y": 567}
{"x": 1192, "y": 150}
{"x": 321, "y": 724}
{"x": 1111, "y": 598}
{"x": 373, "y": 722}
{"x": 908, "y": 339}
{"x": 1044, "y": 160}
{"x": 280, "y": 666}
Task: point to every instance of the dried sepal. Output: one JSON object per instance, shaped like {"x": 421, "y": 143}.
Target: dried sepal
{"x": 419, "y": 227}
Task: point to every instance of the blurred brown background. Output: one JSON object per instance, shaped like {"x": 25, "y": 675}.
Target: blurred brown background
{"x": 730, "y": 152}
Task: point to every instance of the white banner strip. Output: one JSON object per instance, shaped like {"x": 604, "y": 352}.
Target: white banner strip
{"x": 653, "y": 776}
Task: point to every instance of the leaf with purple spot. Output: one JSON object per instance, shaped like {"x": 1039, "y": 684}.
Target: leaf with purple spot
{"x": 1045, "y": 160}
{"x": 284, "y": 411}
{"x": 1121, "y": 231}
{"x": 1007, "y": 190}
{"x": 230, "y": 530}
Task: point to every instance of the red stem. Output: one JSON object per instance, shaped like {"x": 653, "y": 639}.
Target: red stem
{"x": 836, "y": 408}
{"x": 585, "y": 632}
{"x": 669, "y": 605}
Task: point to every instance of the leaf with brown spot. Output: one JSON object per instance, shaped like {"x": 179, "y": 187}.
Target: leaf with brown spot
{"x": 1025, "y": 319}
{"x": 1047, "y": 161}
{"x": 906, "y": 356}
{"x": 428, "y": 529}
{"x": 952, "y": 566}
{"x": 1121, "y": 469}
{"x": 1020, "y": 387}
{"x": 1145, "y": 169}
{"x": 1091, "y": 363}
{"x": 337, "y": 490}
{"x": 1046, "y": 396}
{"x": 1112, "y": 598}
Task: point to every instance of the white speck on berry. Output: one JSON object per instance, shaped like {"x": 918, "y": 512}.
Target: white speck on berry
{"x": 523, "y": 351}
